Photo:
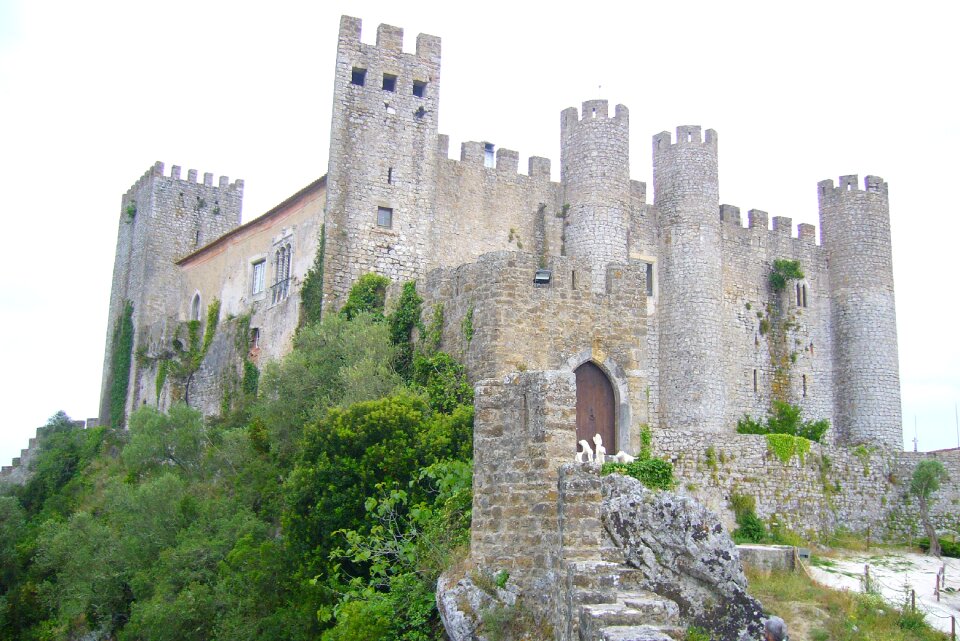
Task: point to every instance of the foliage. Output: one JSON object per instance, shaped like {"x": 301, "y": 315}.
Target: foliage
{"x": 121, "y": 357}
{"x": 784, "y": 418}
{"x": 927, "y": 477}
{"x": 162, "y": 368}
{"x": 783, "y": 271}
{"x": 368, "y": 295}
{"x": 311, "y": 293}
{"x": 696, "y": 634}
{"x": 251, "y": 378}
{"x": 947, "y": 547}
{"x": 434, "y": 331}
{"x": 443, "y": 379}
{"x": 786, "y": 446}
{"x": 835, "y": 614}
{"x": 654, "y": 473}
{"x": 750, "y": 528}
{"x": 646, "y": 442}
{"x": 466, "y": 325}
{"x": 403, "y": 321}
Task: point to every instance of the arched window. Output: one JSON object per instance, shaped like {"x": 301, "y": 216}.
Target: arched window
{"x": 195, "y": 307}
{"x": 281, "y": 282}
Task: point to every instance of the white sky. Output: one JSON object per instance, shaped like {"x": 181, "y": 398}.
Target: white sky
{"x": 92, "y": 93}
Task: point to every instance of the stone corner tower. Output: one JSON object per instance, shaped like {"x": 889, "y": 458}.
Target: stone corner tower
{"x": 383, "y": 155}
{"x": 855, "y": 230}
{"x": 162, "y": 219}
{"x": 686, "y": 195}
{"x": 595, "y": 173}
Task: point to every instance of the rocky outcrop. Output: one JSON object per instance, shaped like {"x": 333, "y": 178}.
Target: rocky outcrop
{"x": 683, "y": 553}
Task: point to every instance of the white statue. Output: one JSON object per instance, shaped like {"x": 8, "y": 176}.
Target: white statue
{"x": 601, "y": 455}
{"x": 586, "y": 455}
{"x": 623, "y": 457}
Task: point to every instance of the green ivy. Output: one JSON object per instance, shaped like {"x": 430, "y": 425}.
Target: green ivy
{"x": 785, "y": 446}
{"x": 404, "y": 319}
{"x": 750, "y": 528}
{"x": 368, "y": 294}
{"x": 434, "y": 332}
{"x": 120, "y": 361}
{"x": 467, "y": 325}
{"x": 784, "y": 418}
{"x": 251, "y": 379}
{"x": 162, "y": 367}
{"x": 311, "y": 293}
{"x": 783, "y": 271}
{"x": 646, "y": 440}
{"x": 654, "y": 473}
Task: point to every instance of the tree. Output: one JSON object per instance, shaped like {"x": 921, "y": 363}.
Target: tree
{"x": 927, "y": 477}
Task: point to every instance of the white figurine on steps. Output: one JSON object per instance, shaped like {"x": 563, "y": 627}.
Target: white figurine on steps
{"x": 623, "y": 457}
{"x": 586, "y": 455}
{"x": 601, "y": 455}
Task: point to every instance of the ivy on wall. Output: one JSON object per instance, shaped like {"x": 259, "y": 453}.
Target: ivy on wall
{"x": 311, "y": 294}
{"x": 120, "y": 360}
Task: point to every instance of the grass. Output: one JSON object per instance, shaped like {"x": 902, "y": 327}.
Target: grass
{"x": 816, "y": 613}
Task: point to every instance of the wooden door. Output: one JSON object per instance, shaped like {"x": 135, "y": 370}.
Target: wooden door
{"x": 595, "y": 407}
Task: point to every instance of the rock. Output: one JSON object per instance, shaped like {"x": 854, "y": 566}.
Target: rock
{"x": 684, "y": 554}
{"x": 461, "y": 603}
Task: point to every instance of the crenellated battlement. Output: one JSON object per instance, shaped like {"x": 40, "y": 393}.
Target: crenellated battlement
{"x": 592, "y": 111}
{"x": 156, "y": 171}
{"x": 686, "y": 135}
{"x": 473, "y": 153}
{"x": 389, "y": 39}
{"x": 760, "y": 220}
{"x": 871, "y": 184}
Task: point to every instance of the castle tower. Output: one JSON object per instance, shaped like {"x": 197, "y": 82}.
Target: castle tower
{"x": 383, "y": 156}
{"x": 162, "y": 219}
{"x": 689, "y": 247}
{"x": 595, "y": 172}
{"x": 855, "y": 230}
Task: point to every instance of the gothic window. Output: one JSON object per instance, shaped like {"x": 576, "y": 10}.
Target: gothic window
{"x": 281, "y": 284}
{"x": 259, "y": 276}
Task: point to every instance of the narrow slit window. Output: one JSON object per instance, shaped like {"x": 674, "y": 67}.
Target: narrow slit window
{"x": 358, "y": 77}
{"x": 195, "y": 308}
{"x": 384, "y": 217}
{"x": 573, "y": 280}
{"x": 254, "y": 337}
{"x": 419, "y": 88}
{"x": 389, "y": 82}
{"x": 804, "y": 385}
{"x": 390, "y": 175}
{"x": 754, "y": 380}
{"x": 488, "y": 158}
{"x": 649, "y": 279}
{"x": 799, "y": 296}
{"x": 804, "y": 295}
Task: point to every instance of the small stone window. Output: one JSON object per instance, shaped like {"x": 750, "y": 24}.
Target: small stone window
{"x": 804, "y": 296}
{"x": 358, "y": 77}
{"x": 385, "y": 217}
{"x": 804, "y": 385}
{"x": 649, "y": 279}
{"x": 195, "y": 307}
{"x": 389, "y": 82}
{"x": 254, "y": 337}
{"x": 259, "y": 275}
{"x": 488, "y": 158}
{"x": 754, "y": 381}
{"x": 799, "y": 296}
{"x": 389, "y": 175}
{"x": 419, "y": 88}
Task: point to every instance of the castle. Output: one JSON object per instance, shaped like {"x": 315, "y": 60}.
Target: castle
{"x": 579, "y": 307}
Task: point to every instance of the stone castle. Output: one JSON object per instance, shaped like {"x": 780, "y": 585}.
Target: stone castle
{"x": 591, "y": 308}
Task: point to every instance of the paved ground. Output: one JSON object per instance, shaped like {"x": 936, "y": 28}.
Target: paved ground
{"x": 894, "y": 574}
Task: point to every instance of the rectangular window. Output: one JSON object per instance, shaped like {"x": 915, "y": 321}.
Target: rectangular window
{"x": 384, "y": 217}
{"x": 259, "y": 274}
{"x": 389, "y": 82}
{"x": 359, "y": 77}
{"x": 649, "y": 279}
{"x": 254, "y": 337}
{"x": 419, "y": 88}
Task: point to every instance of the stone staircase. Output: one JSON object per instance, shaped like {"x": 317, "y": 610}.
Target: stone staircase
{"x": 606, "y": 605}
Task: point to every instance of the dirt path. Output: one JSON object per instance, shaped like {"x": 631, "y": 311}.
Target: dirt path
{"x": 893, "y": 575}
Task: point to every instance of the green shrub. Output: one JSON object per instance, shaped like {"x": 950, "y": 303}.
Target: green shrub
{"x": 784, "y": 270}
{"x": 784, "y": 418}
{"x": 947, "y": 547}
{"x": 368, "y": 294}
{"x": 654, "y": 473}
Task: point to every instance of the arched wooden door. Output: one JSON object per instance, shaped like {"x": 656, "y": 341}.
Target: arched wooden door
{"x": 596, "y": 413}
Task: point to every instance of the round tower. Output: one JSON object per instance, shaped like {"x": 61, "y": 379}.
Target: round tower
{"x": 595, "y": 172}
{"x": 687, "y": 198}
{"x": 855, "y": 229}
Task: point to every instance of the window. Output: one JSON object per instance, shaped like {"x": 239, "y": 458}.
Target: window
{"x": 754, "y": 380}
{"x": 259, "y": 275}
{"x": 389, "y": 82}
{"x": 419, "y": 88}
{"x": 488, "y": 158}
{"x": 649, "y": 279}
{"x": 384, "y": 217}
{"x": 281, "y": 283}
{"x": 804, "y": 385}
{"x": 804, "y": 295}
{"x": 799, "y": 296}
{"x": 254, "y": 337}
{"x": 195, "y": 307}
{"x": 390, "y": 175}
{"x": 359, "y": 77}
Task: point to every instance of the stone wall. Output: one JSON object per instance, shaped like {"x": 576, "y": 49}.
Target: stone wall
{"x": 832, "y": 487}
{"x": 518, "y": 325}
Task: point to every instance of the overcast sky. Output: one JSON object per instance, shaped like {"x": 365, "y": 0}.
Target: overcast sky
{"x": 92, "y": 93}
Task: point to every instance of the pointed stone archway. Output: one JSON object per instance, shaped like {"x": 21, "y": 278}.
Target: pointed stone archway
{"x": 596, "y": 406}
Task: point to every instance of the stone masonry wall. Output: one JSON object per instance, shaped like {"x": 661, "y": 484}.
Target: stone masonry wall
{"x": 833, "y": 487}
{"x": 517, "y": 325}
{"x": 752, "y": 324}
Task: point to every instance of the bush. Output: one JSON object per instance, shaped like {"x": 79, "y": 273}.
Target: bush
{"x": 947, "y": 547}
{"x": 367, "y": 295}
{"x": 654, "y": 473}
{"x": 784, "y": 418}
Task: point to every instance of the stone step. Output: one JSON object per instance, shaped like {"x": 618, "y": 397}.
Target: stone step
{"x": 637, "y": 633}
{"x": 586, "y": 595}
{"x": 660, "y": 611}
